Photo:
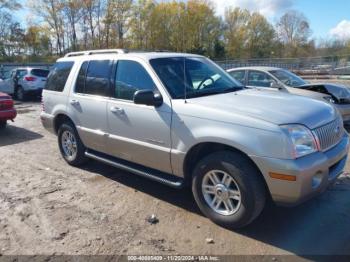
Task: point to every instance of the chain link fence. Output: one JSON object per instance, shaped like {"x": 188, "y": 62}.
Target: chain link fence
{"x": 321, "y": 66}
{"x": 331, "y": 65}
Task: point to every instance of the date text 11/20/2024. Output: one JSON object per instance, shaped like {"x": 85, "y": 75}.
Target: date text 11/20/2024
{"x": 173, "y": 258}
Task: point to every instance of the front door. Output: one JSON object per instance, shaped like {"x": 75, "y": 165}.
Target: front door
{"x": 258, "y": 79}
{"x": 138, "y": 133}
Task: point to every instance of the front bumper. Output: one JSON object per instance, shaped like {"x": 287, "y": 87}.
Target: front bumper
{"x": 8, "y": 114}
{"x": 344, "y": 110}
{"x": 313, "y": 173}
{"x": 48, "y": 122}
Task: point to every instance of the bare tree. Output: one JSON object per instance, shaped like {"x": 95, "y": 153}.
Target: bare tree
{"x": 293, "y": 30}
{"x": 73, "y": 13}
{"x": 92, "y": 11}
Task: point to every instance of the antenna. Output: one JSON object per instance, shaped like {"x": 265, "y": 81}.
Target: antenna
{"x": 185, "y": 80}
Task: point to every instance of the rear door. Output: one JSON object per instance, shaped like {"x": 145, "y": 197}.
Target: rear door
{"x": 39, "y": 77}
{"x": 88, "y": 101}
{"x": 18, "y": 77}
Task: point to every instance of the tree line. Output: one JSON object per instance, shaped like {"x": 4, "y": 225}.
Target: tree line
{"x": 61, "y": 26}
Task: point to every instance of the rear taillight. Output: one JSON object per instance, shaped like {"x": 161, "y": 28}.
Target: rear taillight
{"x": 6, "y": 104}
{"x": 29, "y": 78}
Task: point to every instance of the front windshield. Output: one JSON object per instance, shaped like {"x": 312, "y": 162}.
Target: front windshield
{"x": 198, "y": 75}
{"x": 288, "y": 78}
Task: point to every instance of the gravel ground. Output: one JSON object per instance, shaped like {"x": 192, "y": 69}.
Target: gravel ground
{"x": 48, "y": 207}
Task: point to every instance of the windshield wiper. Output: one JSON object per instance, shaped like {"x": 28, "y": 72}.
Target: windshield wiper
{"x": 203, "y": 93}
{"x": 233, "y": 89}
{"x": 215, "y": 92}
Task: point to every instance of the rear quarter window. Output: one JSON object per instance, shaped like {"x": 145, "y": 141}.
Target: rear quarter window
{"x": 58, "y": 76}
{"x": 21, "y": 73}
{"x": 40, "y": 72}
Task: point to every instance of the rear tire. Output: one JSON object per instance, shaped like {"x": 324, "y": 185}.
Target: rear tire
{"x": 239, "y": 197}
{"x": 3, "y": 124}
{"x": 71, "y": 147}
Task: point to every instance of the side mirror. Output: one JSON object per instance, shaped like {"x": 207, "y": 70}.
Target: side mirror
{"x": 148, "y": 98}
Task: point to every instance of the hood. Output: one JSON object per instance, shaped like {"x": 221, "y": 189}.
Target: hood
{"x": 308, "y": 93}
{"x": 338, "y": 91}
{"x": 270, "y": 106}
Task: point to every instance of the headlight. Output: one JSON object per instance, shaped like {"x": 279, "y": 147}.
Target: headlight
{"x": 302, "y": 140}
{"x": 329, "y": 99}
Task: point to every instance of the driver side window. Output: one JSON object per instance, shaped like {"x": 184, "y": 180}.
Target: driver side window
{"x": 131, "y": 77}
{"x": 259, "y": 79}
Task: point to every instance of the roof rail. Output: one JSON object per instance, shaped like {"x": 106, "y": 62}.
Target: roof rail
{"x": 95, "y": 52}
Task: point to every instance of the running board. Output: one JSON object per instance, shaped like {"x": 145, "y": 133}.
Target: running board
{"x": 155, "y": 175}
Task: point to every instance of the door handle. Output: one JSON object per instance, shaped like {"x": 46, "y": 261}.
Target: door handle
{"x": 74, "y": 102}
{"x": 118, "y": 110}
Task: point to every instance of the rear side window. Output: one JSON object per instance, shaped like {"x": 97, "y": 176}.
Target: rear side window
{"x": 94, "y": 78}
{"x": 39, "y": 72}
{"x": 131, "y": 77}
{"x": 238, "y": 75}
{"x": 21, "y": 73}
{"x": 80, "y": 84}
{"x": 58, "y": 76}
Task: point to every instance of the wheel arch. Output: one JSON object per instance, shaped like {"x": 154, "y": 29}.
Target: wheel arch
{"x": 59, "y": 120}
{"x": 203, "y": 149}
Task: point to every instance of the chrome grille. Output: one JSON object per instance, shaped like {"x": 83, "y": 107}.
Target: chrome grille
{"x": 330, "y": 134}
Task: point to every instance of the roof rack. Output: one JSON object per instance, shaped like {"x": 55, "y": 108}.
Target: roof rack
{"x": 95, "y": 52}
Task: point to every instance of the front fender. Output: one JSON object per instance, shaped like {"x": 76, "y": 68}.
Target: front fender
{"x": 252, "y": 141}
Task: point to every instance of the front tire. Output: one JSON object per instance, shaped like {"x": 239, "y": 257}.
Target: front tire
{"x": 71, "y": 147}
{"x": 228, "y": 189}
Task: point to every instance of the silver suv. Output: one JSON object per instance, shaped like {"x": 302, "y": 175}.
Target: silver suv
{"x": 179, "y": 119}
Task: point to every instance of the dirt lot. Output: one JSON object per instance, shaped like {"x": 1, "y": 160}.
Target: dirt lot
{"x": 48, "y": 207}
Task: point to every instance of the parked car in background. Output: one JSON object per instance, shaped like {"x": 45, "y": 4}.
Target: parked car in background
{"x": 283, "y": 80}
{"x": 7, "y": 110}
{"x": 24, "y": 82}
{"x": 6, "y": 84}
{"x": 181, "y": 120}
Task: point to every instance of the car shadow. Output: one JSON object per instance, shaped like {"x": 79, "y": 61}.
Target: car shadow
{"x": 33, "y": 100}
{"x": 178, "y": 197}
{"x": 318, "y": 227}
{"x": 14, "y": 135}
